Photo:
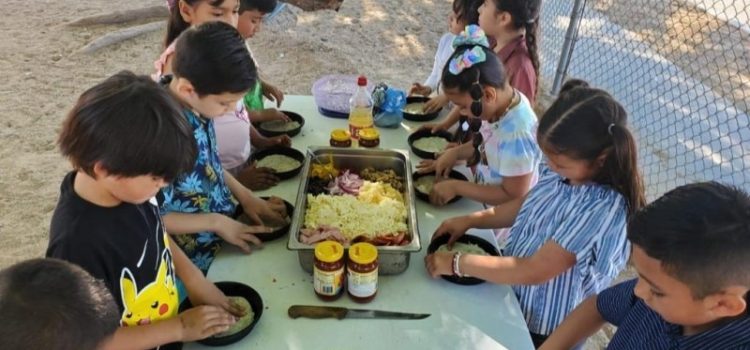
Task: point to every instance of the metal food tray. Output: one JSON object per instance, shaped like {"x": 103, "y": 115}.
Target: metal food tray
{"x": 392, "y": 259}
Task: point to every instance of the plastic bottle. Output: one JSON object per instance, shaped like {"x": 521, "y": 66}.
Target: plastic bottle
{"x": 360, "y": 109}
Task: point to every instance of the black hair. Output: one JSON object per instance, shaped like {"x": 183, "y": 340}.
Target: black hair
{"x": 262, "y": 6}
{"x": 585, "y": 123}
{"x": 52, "y": 304}
{"x": 467, "y": 11}
{"x": 214, "y": 59}
{"x": 473, "y": 79}
{"x": 176, "y": 24}
{"x": 525, "y": 14}
{"x": 701, "y": 235}
{"x": 132, "y": 126}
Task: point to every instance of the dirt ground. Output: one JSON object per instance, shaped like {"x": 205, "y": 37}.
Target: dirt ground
{"x": 43, "y": 73}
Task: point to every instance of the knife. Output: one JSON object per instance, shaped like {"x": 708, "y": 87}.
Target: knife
{"x": 318, "y": 312}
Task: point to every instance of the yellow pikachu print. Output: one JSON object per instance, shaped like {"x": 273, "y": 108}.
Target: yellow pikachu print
{"x": 155, "y": 302}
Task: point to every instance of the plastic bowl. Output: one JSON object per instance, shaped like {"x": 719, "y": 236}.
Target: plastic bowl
{"x": 420, "y": 117}
{"x": 287, "y": 151}
{"x": 426, "y": 196}
{"x": 292, "y": 133}
{"x": 332, "y": 92}
{"x": 426, "y": 133}
{"x": 466, "y": 238}
{"x": 232, "y": 289}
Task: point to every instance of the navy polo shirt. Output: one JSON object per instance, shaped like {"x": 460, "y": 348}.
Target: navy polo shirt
{"x": 640, "y": 327}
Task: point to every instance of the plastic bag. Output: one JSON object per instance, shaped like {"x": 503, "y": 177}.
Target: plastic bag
{"x": 389, "y": 103}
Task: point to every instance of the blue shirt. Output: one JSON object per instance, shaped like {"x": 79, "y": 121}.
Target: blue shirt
{"x": 202, "y": 190}
{"x": 640, "y": 327}
{"x": 586, "y": 220}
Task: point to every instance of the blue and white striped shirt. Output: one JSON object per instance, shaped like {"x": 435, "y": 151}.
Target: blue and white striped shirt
{"x": 640, "y": 327}
{"x": 586, "y": 220}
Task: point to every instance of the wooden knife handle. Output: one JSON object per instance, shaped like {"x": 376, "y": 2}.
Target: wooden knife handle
{"x": 317, "y": 312}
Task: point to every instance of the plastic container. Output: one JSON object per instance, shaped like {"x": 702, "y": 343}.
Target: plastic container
{"x": 360, "y": 109}
{"x": 362, "y": 272}
{"x": 332, "y": 94}
{"x": 328, "y": 272}
{"x": 369, "y": 138}
{"x": 340, "y": 138}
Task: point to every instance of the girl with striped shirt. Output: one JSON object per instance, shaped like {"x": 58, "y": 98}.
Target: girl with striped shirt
{"x": 567, "y": 238}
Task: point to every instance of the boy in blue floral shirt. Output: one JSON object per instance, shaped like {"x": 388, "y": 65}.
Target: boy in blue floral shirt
{"x": 692, "y": 251}
{"x": 212, "y": 71}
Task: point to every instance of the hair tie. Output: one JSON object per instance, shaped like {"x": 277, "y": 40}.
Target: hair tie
{"x": 609, "y": 129}
{"x": 171, "y": 4}
{"x": 466, "y": 60}
{"x": 472, "y": 35}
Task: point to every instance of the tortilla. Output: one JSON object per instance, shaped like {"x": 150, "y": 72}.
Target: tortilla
{"x": 432, "y": 144}
{"x": 279, "y": 163}
{"x": 279, "y": 125}
{"x": 463, "y": 248}
{"x": 424, "y": 184}
{"x": 415, "y": 108}
{"x": 243, "y": 321}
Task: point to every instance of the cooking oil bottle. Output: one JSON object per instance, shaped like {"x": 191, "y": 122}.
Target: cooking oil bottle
{"x": 360, "y": 109}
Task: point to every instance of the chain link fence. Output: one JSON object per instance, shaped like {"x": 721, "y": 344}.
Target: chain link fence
{"x": 680, "y": 67}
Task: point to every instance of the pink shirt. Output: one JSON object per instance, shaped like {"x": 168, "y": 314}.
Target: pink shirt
{"x": 517, "y": 62}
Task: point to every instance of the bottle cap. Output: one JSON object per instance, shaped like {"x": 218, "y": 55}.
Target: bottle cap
{"x": 340, "y": 135}
{"x": 369, "y": 134}
{"x": 362, "y": 81}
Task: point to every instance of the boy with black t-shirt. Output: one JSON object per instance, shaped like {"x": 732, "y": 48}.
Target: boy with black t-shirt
{"x": 126, "y": 139}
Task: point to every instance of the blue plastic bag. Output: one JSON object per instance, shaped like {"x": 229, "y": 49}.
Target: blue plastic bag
{"x": 390, "y": 103}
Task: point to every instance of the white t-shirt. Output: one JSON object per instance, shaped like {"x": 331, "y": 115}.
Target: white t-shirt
{"x": 442, "y": 55}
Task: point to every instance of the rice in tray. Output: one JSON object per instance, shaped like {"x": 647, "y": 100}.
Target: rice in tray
{"x": 378, "y": 210}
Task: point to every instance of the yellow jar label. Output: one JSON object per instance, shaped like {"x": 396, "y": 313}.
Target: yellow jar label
{"x": 362, "y": 285}
{"x": 328, "y": 283}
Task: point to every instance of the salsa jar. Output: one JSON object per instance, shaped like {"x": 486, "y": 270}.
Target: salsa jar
{"x": 369, "y": 138}
{"x": 362, "y": 272}
{"x": 328, "y": 272}
{"x": 340, "y": 138}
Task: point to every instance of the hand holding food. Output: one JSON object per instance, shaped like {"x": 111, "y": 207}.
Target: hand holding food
{"x": 419, "y": 89}
{"x": 439, "y": 263}
{"x": 203, "y": 321}
{"x": 240, "y": 234}
{"x": 455, "y": 227}
{"x": 257, "y": 179}
{"x": 435, "y": 104}
{"x": 443, "y": 191}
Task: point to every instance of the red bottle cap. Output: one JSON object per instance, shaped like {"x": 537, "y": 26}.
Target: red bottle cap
{"x": 362, "y": 81}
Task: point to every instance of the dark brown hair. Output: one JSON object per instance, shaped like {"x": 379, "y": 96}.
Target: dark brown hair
{"x": 585, "y": 123}
{"x": 176, "y": 24}
{"x": 132, "y": 126}
{"x": 53, "y": 304}
{"x": 525, "y": 14}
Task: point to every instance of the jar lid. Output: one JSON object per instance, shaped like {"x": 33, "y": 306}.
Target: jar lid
{"x": 329, "y": 251}
{"x": 361, "y": 80}
{"x": 369, "y": 134}
{"x": 340, "y": 135}
{"x": 363, "y": 253}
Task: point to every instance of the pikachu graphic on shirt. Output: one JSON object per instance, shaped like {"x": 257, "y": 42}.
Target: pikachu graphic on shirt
{"x": 152, "y": 303}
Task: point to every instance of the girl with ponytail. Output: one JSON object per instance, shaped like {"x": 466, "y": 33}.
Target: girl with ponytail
{"x": 567, "y": 239}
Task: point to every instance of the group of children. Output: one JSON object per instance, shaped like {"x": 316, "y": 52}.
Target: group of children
{"x": 160, "y": 169}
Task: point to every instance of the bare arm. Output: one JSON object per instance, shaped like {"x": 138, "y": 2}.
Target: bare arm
{"x": 510, "y": 188}
{"x": 547, "y": 263}
{"x": 146, "y": 336}
{"x": 451, "y": 119}
{"x": 189, "y": 223}
{"x": 503, "y": 215}
{"x": 580, "y": 324}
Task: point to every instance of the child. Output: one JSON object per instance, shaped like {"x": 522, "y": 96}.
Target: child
{"x": 234, "y": 129}
{"x": 475, "y": 82}
{"x": 567, "y": 239}
{"x": 212, "y": 71}
{"x": 691, "y": 249}
{"x": 237, "y": 136}
{"x": 465, "y": 12}
{"x": 51, "y": 304}
{"x": 126, "y": 139}
{"x": 513, "y": 25}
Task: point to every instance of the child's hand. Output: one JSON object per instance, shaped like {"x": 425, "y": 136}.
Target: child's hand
{"x": 266, "y": 142}
{"x": 269, "y": 114}
{"x": 204, "y": 292}
{"x": 443, "y": 192}
{"x": 435, "y": 104}
{"x": 439, "y": 264}
{"x": 419, "y": 89}
{"x": 426, "y": 166}
{"x": 445, "y": 163}
{"x": 240, "y": 234}
{"x": 260, "y": 211}
{"x": 257, "y": 179}
{"x": 203, "y": 321}
{"x": 455, "y": 227}
{"x": 273, "y": 93}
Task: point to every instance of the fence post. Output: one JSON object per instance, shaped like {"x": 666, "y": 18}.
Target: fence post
{"x": 571, "y": 35}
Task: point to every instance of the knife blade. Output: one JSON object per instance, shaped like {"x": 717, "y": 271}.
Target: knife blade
{"x": 318, "y": 312}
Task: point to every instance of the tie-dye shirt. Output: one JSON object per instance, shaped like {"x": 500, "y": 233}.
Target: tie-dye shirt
{"x": 202, "y": 190}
